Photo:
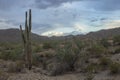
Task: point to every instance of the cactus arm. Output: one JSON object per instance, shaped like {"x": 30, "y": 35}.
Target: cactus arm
{"x": 30, "y": 20}
{"x": 22, "y": 34}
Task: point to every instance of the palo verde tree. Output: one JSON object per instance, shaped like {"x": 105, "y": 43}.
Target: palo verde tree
{"x": 26, "y": 37}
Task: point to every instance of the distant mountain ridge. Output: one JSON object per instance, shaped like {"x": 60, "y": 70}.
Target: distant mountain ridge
{"x": 14, "y": 35}
{"x": 103, "y": 33}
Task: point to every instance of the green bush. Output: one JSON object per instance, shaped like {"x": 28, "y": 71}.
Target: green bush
{"x": 105, "y": 62}
{"x": 3, "y": 75}
{"x": 69, "y": 54}
{"x": 116, "y": 39}
{"x": 16, "y": 67}
{"x": 66, "y": 56}
{"x": 11, "y": 55}
{"x": 117, "y": 51}
{"x": 92, "y": 68}
{"x": 47, "y": 45}
{"x": 105, "y": 43}
{"x": 89, "y": 76}
{"x": 57, "y": 68}
{"x": 37, "y": 49}
{"x": 11, "y": 52}
{"x": 36, "y": 59}
{"x": 115, "y": 68}
{"x": 97, "y": 50}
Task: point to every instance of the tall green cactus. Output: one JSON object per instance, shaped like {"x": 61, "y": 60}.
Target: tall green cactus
{"x": 26, "y": 37}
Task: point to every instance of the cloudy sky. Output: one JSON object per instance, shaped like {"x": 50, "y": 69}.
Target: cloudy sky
{"x": 60, "y": 17}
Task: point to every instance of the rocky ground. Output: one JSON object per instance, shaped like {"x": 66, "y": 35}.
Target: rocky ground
{"x": 77, "y": 76}
{"x": 7, "y": 72}
{"x": 37, "y": 76}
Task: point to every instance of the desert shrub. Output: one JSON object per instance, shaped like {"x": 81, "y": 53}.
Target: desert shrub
{"x": 41, "y": 59}
{"x": 97, "y": 50}
{"x": 11, "y": 52}
{"x": 117, "y": 51}
{"x": 47, "y": 45}
{"x": 69, "y": 54}
{"x": 105, "y": 43}
{"x": 16, "y": 54}
{"x": 116, "y": 40}
{"x": 16, "y": 67}
{"x": 36, "y": 59}
{"x": 3, "y": 75}
{"x": 37, "y": 49}
{"x": 89, "y": 76}
{"x": 66, "y": 57}
{"x": 115, "y": 68}
{"x": 105, "y": 62}
{"x": 79, "y": 44}
{"x": 48, "y": 53}
{"x": 92, "y": 68}
{"x": 6, "y": 55}
{"x": 57, "y": 68}
{"x": 11, "y": 55}
{"x": 44, "y": 62}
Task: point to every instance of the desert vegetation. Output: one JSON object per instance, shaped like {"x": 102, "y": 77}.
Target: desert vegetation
{"x": 88, "y": 57}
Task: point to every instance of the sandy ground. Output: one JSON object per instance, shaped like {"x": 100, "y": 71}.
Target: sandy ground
{"x": 37, "y": 76}
{"x": 77, "y": 76}
{"x": 30, "y": 75}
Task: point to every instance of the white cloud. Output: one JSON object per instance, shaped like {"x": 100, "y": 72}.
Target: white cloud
{"x": 67, "y": 5}
{"x": 112, "y": 24}
{"x": 52, "y": 33}
{"x": 79, "y": 27}
{"x": 4, "y": 25}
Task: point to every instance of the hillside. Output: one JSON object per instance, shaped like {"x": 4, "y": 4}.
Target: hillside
{"x": 14, "y": 35}
{"x": 104, "y": 33}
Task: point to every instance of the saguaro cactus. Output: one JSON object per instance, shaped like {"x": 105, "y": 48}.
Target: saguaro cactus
{"x": 26, "y": 37}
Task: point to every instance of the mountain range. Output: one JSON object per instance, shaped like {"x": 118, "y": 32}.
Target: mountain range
{"x": 14, "y": 35}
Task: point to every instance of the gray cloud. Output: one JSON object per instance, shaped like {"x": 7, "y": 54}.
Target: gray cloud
{"x": 100, "y": 5}
{"x": 5, "y": 4}
{"x": 8, "y": 4}
{"x": 43, "y": 4}
{"x": 105, "y": 5}
{"x": 90, "y": 12}
{"x": 37, "y": 27}
{"x": 12, "y": 4}
{"x": 40, "y": 28}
